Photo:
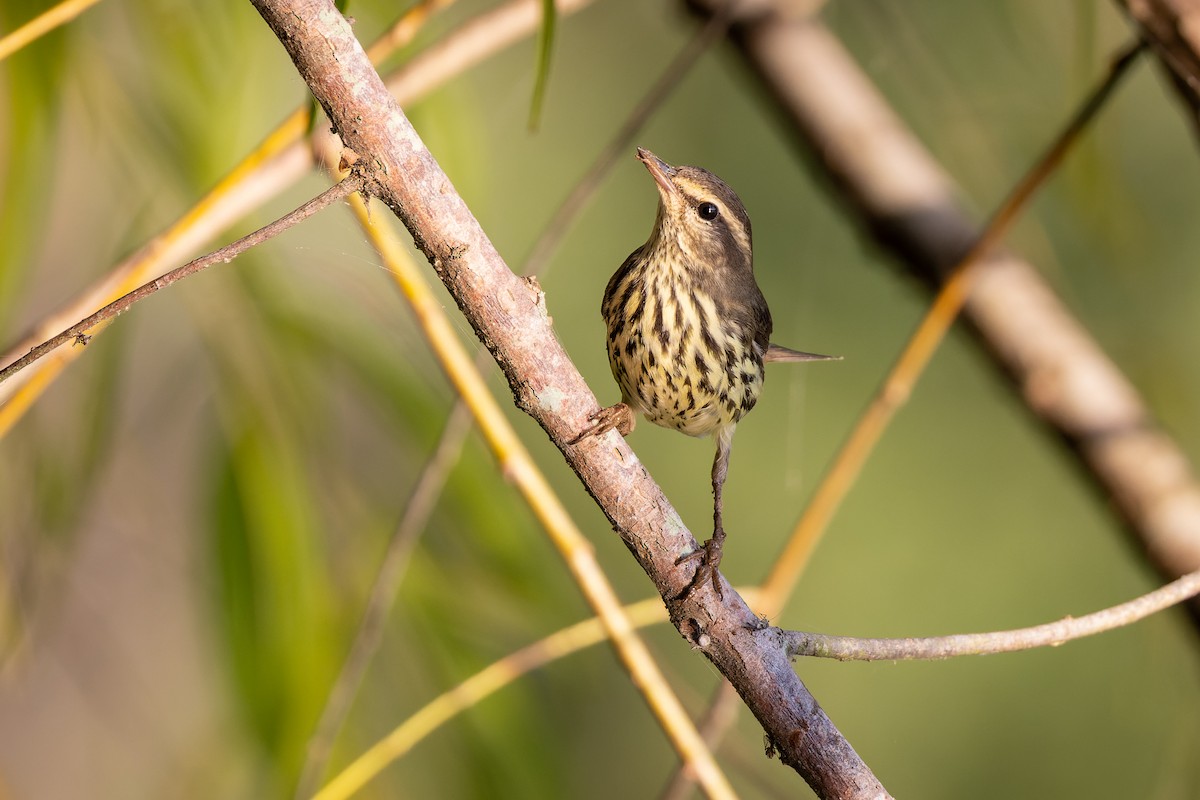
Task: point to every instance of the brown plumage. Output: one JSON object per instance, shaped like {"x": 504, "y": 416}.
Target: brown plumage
{"x": 688, "y": 327}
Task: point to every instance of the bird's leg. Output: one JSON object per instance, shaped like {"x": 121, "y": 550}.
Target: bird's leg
{"x": 619, "y": 416}
{"x": 711, "y": 552}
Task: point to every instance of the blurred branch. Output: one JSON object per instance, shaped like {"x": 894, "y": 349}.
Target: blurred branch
{"x": 510, "y": 318}
{"x": 897, "y": 387}
{"x": 42, "y": 24}
{"x": 78, "y": 333}
{"x": 421, "y": 503}
{"x": 278, "y": 162}
{"x": 405, "y": 28}
{"x": 1172, "y": 28}
{"x": 717, "y": 718}
{"x": 1051, "y": 634}
{"x": 901, "y": 195}
{"x": 435, "y": 472}
{"x": 480, "y": 686}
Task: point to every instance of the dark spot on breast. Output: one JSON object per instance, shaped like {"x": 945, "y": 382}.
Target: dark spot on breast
{"x": 660, "y": 326}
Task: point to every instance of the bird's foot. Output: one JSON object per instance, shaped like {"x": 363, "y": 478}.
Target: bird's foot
{"x": 619, "y": 416}
{"x": 709, "y": 556}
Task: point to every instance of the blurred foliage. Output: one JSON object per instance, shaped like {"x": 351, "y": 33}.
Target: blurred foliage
{"x": 191, "y": 517}
{"x": 30, "y": 81}
{"x": 545, "y": 54}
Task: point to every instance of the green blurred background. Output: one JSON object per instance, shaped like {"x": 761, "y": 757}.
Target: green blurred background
{"x": 191, "y": 517}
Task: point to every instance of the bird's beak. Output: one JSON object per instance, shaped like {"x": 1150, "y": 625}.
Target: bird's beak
{"x": 661, "y": 171}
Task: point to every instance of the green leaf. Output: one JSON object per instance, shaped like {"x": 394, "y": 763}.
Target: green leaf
{"x": 30, "y": 84}
{"x": 544, "y": 45}
{"x": 273, "y": 601}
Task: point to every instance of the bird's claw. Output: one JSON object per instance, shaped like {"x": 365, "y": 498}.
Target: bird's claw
{"x": 619, "y": 416}
{"x": 709, "y": 555}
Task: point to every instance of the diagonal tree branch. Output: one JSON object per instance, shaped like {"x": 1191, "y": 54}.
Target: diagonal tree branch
{"x": 510, "y": 317}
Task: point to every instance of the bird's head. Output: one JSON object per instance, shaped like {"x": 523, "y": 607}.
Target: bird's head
{"x": 700, "y": 217}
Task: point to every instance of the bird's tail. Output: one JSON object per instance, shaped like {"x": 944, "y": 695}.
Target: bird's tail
{"x": 777, "y": 353}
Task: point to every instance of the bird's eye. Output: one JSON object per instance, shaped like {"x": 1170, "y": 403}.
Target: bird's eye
{"x": 708, "y": 211}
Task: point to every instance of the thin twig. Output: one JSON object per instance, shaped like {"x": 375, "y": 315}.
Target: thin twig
{"x": 1051, "y": 634}
{"x": 79, "y": 331}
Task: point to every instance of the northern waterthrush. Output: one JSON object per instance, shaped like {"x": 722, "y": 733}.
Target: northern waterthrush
{"x": 688, "y": 327}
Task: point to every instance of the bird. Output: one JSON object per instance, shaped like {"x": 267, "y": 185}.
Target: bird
{"x": 689, "y": 329}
